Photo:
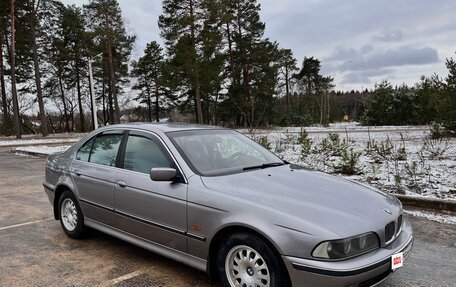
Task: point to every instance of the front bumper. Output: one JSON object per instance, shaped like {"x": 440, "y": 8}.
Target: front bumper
{"x": 363, "y": 271}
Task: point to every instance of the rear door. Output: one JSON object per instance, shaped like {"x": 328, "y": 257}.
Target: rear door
{"x": 156, "y": 211}
{"x": 93, "y": 171}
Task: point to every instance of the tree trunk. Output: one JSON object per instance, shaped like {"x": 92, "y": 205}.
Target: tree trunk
{"x": 105, "y": 112}
{"x": 113, "y": 91}
{"x": 157, "y": 103}
{"x": 6, "y": 116}
{"x": 39, "y": 92}
{"x": 112, "y": 81}
{"x": 230, "y": 52}
{"x": 287, "y": 87}
{"x": 207, "y": 109}
{"x": 72, "y": 117}
{"x": 78, "y": 87}
{"x": 328, "y": 107}
{"x": 65, "y": 109}
{"x": 110, "y": 106}
{"x": 322, "y": 107}
{"x": 240, "y": 50}
{"x": 17, "y": 120}
{"x": 198, "y": 107}
{"x": 92, "y": 97}
{"x": 149, "y": 107}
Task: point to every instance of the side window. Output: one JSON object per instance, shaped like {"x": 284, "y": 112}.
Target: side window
{"x": 142, "y": 154}
{"x": 105, "y": 149}
{"x": 84, "y": 151}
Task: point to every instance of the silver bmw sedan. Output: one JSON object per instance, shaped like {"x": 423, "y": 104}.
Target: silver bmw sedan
{"x": 219, "y": 202}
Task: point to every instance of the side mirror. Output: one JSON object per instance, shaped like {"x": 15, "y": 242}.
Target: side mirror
{"x": 162, "y": 174}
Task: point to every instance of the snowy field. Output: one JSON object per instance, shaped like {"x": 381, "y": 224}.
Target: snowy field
{"x": 402, "y": 160}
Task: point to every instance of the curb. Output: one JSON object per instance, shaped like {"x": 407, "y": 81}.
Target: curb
{"x": 429, "y": 203}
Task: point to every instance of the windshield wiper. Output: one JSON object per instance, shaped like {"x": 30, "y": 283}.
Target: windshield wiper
{"x": 265, "y": 165}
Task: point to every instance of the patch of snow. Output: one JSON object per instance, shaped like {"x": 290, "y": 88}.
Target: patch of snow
{"x": 341, "y": 127}
{"x": 442, "y": 218}
{"x": 6, "y": 143}
{"x": 43, "y": 150}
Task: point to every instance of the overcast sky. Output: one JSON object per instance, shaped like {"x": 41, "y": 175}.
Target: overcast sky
{"x": 360, "y": 42}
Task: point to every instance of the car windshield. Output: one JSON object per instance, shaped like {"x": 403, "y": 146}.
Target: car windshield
{"x": 219, "y": 152}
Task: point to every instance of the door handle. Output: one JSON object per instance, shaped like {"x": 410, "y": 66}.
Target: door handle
{"x": 77, "y": 172}
{"x": 121, "y": 184}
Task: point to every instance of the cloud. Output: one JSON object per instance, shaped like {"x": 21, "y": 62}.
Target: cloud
{"x": 393, "y": 57}
{"x": 361, "y": 66}
{"x": 365, "y": 77}
{"x": 366, "y": 49}
{"x": 388, "y": 36}
{"x": 342, "y": 53}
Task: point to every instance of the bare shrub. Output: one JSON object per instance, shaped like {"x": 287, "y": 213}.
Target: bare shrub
{"x": 435, "y": 149}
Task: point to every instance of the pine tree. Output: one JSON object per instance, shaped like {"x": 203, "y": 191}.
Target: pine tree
{"x": 181, "y": 25}
{"x": 315, "y": 88}
{"x": 32, "y": 10}
{"x": 378, "y": 104}
{"x": 67, "y": 56}
{"x": 427, "y": 91}
{"x": 148, "y": 70}
{"x": 309, "y": 75}
{"x": 74, "y": 53}
{"x": 109, "y": 35}
{"x": 252, "y": 61}
{"x": 288, "y": 66}
{"x": 447, "y": 104}
{"x": 212, "y": 62}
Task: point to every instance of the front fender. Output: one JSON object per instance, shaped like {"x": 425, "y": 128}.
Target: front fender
{"x": 211, "y": 212}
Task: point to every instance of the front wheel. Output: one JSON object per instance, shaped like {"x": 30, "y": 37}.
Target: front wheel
{"x": 70, "y": 214}
{"x": 245, "y": 260}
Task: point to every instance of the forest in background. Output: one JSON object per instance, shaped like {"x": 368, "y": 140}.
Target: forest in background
{"x": 215, "y": 67}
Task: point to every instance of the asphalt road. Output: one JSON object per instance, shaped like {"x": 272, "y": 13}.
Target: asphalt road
{"x": 34, "y": 251}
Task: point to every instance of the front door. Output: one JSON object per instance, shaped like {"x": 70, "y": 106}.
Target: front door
{"x": 155, "y": 211}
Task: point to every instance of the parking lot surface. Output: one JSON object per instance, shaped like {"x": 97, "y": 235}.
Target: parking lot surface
{"x": 34, "y": 251}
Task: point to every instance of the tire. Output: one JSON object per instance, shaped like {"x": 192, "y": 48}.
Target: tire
{"x": 236, "y": 260}
{"x": 70, "y": 215}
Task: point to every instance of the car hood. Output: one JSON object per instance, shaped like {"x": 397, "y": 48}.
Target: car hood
{"x": 310, "y": 201}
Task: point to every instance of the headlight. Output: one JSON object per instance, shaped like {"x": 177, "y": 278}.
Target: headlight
{"x": 346, "y": 248}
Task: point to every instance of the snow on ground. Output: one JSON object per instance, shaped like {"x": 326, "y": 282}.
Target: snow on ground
{"x": 409, "y": 169}
{"x": 8, "y": 142}
{"x": 442, "y": 218}
{"x": 338, "y": 127}
{"x": 42, "y": 150}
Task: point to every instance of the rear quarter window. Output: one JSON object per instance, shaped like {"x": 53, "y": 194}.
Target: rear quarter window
{"x": 83, "y": 153}
{"x": 101, "y": 149}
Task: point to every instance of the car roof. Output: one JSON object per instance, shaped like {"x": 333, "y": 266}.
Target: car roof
{"x": 164, "y": 127}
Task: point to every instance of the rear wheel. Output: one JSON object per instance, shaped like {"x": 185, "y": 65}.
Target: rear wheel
{"x": 70, "y": 214}
{"x": 245, "y": 260}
